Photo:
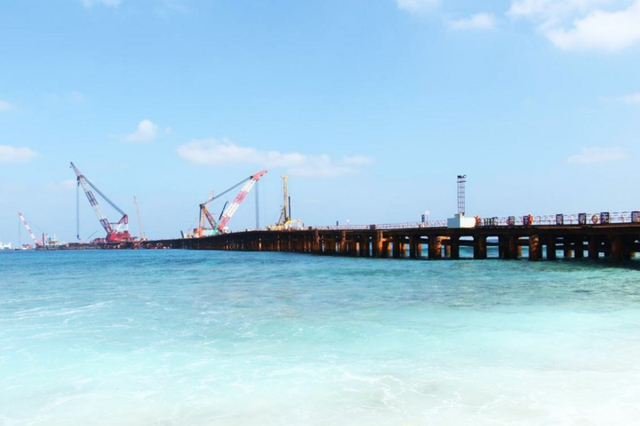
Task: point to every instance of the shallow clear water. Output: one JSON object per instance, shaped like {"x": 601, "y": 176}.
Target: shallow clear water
{"x": 219, "y": 338}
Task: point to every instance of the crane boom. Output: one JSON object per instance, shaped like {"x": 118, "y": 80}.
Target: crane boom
{"x": 228, "y": 213}
{"x": 143, "y": 237}
{"x": 113, "y": 234}
{"x": 26, "y": 225}
{"x": 205, "y": 215}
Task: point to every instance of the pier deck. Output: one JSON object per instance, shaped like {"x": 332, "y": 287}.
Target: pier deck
{"x": 618, "y": 241}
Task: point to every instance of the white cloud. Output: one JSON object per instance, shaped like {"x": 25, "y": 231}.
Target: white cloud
{"x": 553, "y": 10}
{"x": 112, "y": 3}
{"x": 214, "y": 152}
{"x": 358, "y": 160}
{"x": 597, "y": 154}
{"x": 480, "y": 21}
{"x": 631, "y": 99}
{"x": 582, "y": 24}
{"x": 76, "y": 96}
{"x": 5, "y": 106}
{"x": 11, "y": 154}
{"x": 416, "y": 6}
{"x": 608, "y": 31}
{"x": 146, "y": 132}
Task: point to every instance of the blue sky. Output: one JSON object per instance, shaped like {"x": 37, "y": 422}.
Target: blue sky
{"x": 372, "y": 107}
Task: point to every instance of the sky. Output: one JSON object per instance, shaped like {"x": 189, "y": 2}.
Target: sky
{"x": 371, "y": 107}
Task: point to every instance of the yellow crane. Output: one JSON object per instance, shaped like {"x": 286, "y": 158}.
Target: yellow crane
{"x": 285, "y": 222}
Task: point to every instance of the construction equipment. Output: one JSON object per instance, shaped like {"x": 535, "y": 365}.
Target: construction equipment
{"x": 31, "y": 234}
{"x": 205, "y": 215}
{"x": 117, "y": 232}
{"x": 142, "y": 237}
{"x": 285, "y": 222}
{"x": 228, "y": 210}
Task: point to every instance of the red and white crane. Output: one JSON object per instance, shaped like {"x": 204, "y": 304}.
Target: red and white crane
{"x": 31, "y": 234}
{"x": 233, "y": 207}
{"x": 116, "y": 231}
{"x": 228, "y": 210}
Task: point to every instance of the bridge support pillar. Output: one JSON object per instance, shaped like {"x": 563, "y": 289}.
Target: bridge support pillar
{"x": 447, "y": 248}
{"x": 386, "y": 248}
{"x": 551, "y": 247}
{"x": 620, "y": 249}
{"x": 535, "y": 249}
{"x": 316, "y": 242}
{"x": 566, "y": 248}
{"x": 396, "y": 247}
{"x": 365, "y": 246}
{"x": 514, "y": 249}
{"x": 435, "y": 247}
{"x": 579, "y": 249}
{"x": 454, "y": 245}
{"x": 480, "y": 247}
{"x": 343, "y": 243}
{"x": 330, "y": 245}
{"x": 594, "y": 252}
{"x": 378, "y": 242}
{"x": 413, "y": 247}
{"x": 403, "y": 247}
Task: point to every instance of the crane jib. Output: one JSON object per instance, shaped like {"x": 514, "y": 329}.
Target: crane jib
{"x": 113, "y": 233}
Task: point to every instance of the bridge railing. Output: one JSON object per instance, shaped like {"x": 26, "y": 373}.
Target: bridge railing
{"x": 598, "y": 218}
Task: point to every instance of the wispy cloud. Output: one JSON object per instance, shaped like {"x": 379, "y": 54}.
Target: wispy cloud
{"x": 215, "y": 152}
{"x": 168, "y": 7}
{"x": 583, "y": 24}
{"x": 417, "y": 6}
{"x": 631, "y": 99}
{"x": 597, "y": 154}
{"x": 65, "y": 185}
{"x": 480, "y": 21}
{"x": 112, "y": 3}
{"x": 5, "y": 106}
{"x": 73, "y": 96}
{"x": 12, "y": 154}
{"x": 146, "y": 132}
{"x": 358, "y": 160}
{"x": 77, "y": 96}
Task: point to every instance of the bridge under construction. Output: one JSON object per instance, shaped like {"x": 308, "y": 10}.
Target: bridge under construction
{"x": 615, "y": 241}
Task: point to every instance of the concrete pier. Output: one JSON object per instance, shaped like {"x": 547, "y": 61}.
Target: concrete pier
{"x": 618, "y": 242}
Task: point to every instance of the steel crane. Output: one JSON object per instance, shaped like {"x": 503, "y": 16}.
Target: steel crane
{"x": 143, "y": 237}
{"x": 205, "y": 215}
{"x": 116, "y": 231}
{"x": 31, "y": 234}
{"x": 285, "y": 222}
{"x": 228, "y": 210}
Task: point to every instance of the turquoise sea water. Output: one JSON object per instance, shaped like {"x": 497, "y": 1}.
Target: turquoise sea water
{"x": 220, "y": 338}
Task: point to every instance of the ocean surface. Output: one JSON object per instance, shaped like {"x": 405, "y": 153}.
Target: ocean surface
{"x": 174, "y": 337}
